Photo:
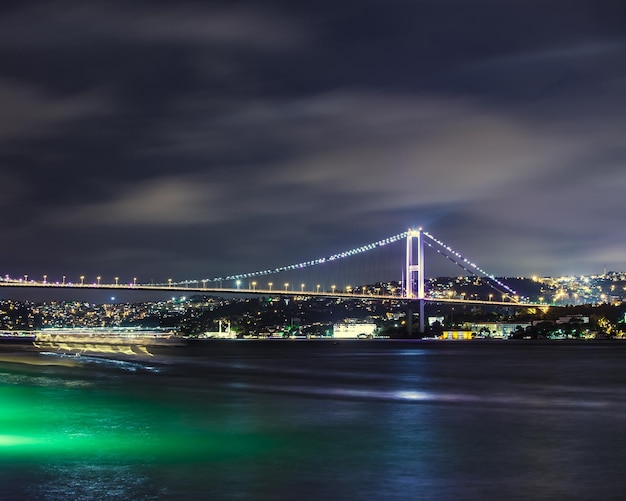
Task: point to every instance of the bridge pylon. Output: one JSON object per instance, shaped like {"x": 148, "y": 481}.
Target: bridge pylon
{"x": 414, "y": 271}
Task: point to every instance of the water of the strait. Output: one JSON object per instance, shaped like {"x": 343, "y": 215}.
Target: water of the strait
{"x": 317, "y": 420}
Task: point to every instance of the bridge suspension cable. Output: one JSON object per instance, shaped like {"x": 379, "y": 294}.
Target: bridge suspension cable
{"x": 464, "y": 263}
{"x": 441, "y": 248}
{"x": 432, "y": 242}
{"x": 305, "y": 264}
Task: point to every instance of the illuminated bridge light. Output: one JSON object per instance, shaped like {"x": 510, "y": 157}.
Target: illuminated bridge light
{"x": 440, "y": 247}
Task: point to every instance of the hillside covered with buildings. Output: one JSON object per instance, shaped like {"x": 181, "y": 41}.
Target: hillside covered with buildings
{"x": 568, "y": 307}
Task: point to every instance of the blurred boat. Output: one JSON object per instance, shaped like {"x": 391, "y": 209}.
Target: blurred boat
{"x": 98, "y": 341}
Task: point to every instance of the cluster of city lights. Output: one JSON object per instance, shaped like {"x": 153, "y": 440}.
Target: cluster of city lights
{"x": 459, "y": 260}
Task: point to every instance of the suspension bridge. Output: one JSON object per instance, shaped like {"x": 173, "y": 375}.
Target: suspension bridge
{"x": 412, "y": 286}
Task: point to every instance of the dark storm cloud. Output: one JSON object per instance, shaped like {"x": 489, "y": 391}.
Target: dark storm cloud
{"x": 67, "y": 23}
{"x": 197, "y": 137}
{"x": 31, "y": 112}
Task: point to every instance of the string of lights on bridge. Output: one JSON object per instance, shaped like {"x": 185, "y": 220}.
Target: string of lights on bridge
{"x": 306, "y": 264}
{"x": 449, "y": 253}
{"x": 443, "y": 250}
{"x": 462, "y": 262}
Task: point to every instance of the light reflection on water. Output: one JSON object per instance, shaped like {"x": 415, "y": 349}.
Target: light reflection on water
{"x": 305, "y": 421}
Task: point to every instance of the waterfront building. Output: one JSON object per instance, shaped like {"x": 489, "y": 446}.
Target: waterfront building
{"x": 497, "y": 330}
{"x": 354, "y": 330}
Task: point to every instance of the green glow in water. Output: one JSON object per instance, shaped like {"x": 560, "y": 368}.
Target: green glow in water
{"x": 11, "y": 440}
{"x": 64, "y": 420}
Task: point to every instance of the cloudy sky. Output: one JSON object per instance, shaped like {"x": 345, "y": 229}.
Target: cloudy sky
{"x": 196, "y": 139}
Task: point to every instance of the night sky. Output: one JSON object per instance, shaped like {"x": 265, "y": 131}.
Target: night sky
{"x": 199, "y": 139}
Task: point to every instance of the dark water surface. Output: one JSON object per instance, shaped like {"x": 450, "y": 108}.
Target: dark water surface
{"x": 317, "y": 420}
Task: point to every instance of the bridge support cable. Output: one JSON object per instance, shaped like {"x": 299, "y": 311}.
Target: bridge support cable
{"x": 460, "y": 265}
{"x": 302, "y": 265}
{"x": 468, "y": 265}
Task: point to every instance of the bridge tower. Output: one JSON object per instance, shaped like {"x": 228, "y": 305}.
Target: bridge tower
{"x": 414, "y": 271}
